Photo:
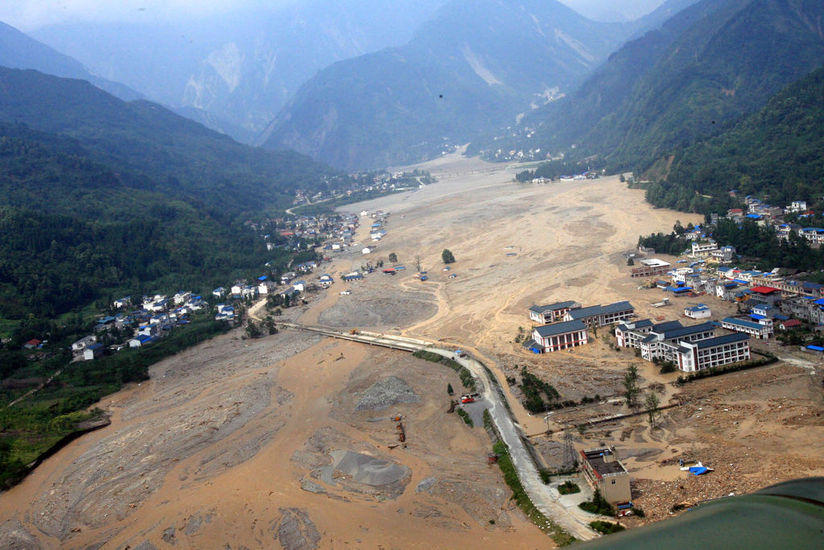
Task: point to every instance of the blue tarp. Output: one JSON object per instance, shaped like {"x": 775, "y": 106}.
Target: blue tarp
{"x": 698, "y": 470}
{"x": 815, "y": 348}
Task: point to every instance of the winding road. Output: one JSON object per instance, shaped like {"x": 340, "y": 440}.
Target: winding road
{"x": 545, "y": 498}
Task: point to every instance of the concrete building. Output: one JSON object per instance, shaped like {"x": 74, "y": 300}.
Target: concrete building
{"x": 662, "y": 343}
{"x": 699, "y": 311}
{"x": 650, "y": 267}
{"x": 713, "y": 352}
{"x": 599, "y": 316}
{"x": 629, "y": 335}
{"x": 552, "y": 312}
{"x": 603, "y": 471}
{"x": 757, "y": 329}
{"x": 703, "y": 248}
{"x": 766, "y": 294}
{"x": 724, "y": 254}
{"x": 558, "y": 336}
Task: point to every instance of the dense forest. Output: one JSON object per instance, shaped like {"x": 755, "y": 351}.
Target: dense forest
{"x": 99, "y": 196}
{"x": 774, "y": 154}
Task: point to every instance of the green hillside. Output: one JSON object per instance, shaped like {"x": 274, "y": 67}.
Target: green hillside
{"x": 99, "y": 196}
{"x": 774, "y": 153}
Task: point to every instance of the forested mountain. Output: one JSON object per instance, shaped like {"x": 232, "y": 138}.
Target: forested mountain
{"x": 235, "y": 68}
{"x": 775, "y": 153}
{"x": 693, "y": 79}
{"x": 477, "y": 64}
{"x": 99, "y": 195}
{"x": 19, "y": 51}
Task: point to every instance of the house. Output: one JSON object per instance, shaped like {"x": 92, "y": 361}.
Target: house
{"x": 552, "y": 312}
{"x": 766, "y": 294}
{"x": 604, "y": 472}
{"x": 703, "y": 248}
{"x": 724, "y": 254}
{"x": 366, "y": 250}
{"x": 789, "y": 324}
{"x": 265, "y": 287}
{"x": 699, "y": 311}
{"x": 236, "y": 290}
{"x": 326, "y": 280}
{"x": 120, "y": 303}
{"x": 650, "y": 267}
{"x": 83, "y": 343}
{"x": 181, "y": 297}
{"x": 299, "y": 286}
{"x": 33, "y": 344}
{"x": 219, "y": 292}
{"x": 353, "y": 276}
{"x": 287, "y": 277}
{"x": 796, "y": 206}
{"x": 92, "y": 352}
{"x": 558, "y": 336}
{"x": 757, "y": 329}
{"x": 140, "y": 340}
{"x": 713, "y": 352}
{"x": 599, "y": 316}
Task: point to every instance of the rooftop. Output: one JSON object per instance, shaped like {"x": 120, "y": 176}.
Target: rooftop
{"x": 604, "y": 461}
{"x": 721, "y": 340}
{"x": 560, "y": 328}
{"x": 742, "y": 323}
{"x": 592, "y": 311}
{"x": 553, "y": 307}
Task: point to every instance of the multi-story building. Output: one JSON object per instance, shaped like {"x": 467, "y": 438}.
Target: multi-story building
{"x": 663, "y": 342}
{"x": 650, "y": 267}
{"x": 703, "y": 248}
{"x": 603, "y": 471}
{"x": 713, "y": 352}
{"x": 552, "y": 312}
{"x": 558, "y": 336}
{"x": 599, "y": 316}
{"x": 761, "y": 330}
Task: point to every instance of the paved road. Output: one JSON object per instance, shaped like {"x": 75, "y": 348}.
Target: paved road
{"x": 546, "y": 499}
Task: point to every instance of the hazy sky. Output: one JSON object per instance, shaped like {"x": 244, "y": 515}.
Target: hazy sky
{"x": 31, "y": 14}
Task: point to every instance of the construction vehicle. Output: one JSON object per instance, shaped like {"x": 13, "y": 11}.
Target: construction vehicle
{"x": 354, "y": 332}
{"x": 467, "y": 398}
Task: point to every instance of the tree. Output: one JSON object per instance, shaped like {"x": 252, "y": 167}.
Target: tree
{"x": 418, "y": 263}
{"x": 270, "y": 326}
{"x": 449, "y": 389}
{"x": 393, "y": 257}
{"x": 252, "y": 330}
{"x": 651, "y": 403}
{"x": 631, "y": 386}
{"x": 447, "y": 256}
{"x": 630, "y": 261}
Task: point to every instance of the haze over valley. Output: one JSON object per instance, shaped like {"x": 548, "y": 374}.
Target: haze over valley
{"x": 319, "y": 274}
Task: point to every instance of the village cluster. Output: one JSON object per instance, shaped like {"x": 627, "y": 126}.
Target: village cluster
{"x": 369, "y": 182}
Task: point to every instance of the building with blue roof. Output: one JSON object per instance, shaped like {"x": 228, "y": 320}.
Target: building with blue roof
{"x": 599, "y": 316}
{"x": 761, "y": 329}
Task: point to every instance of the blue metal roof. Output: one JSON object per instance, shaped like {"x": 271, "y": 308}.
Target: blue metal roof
{"x": 721, "y": 340}
{"x": 742, "y": 323}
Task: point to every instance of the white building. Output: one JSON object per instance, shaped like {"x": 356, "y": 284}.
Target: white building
{"x": 83, "y": 343}
{"x": 629, "y": 335}
{"x": 700, "y": 311}
{"x": 559, "y": 336}
{"x": 122, "y": 302}
{"x": 662, "y": 342}
{"x": 723, "y": 254}
{"x": 703, "y": 248}
{"x": 759, "y": 329}
{"x": 713, "y": 352}
{"x": 552, "y": 312}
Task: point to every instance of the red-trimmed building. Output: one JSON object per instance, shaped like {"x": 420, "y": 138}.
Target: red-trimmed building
{"x": 766, "y": 294}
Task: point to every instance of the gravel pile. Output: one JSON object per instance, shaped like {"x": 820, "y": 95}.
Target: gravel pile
{"x": 368, "y": 470}
{"x": 385, "y": 393}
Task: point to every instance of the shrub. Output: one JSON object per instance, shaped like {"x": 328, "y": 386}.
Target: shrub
{"x": 606, "y": 527}
{"x": 466, "y": 418}
{"x": 597, "y": 505}
{"x": 569, "y": 488}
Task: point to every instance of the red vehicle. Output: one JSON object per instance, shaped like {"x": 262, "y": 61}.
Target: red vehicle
{"x": 467, "y": 399}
